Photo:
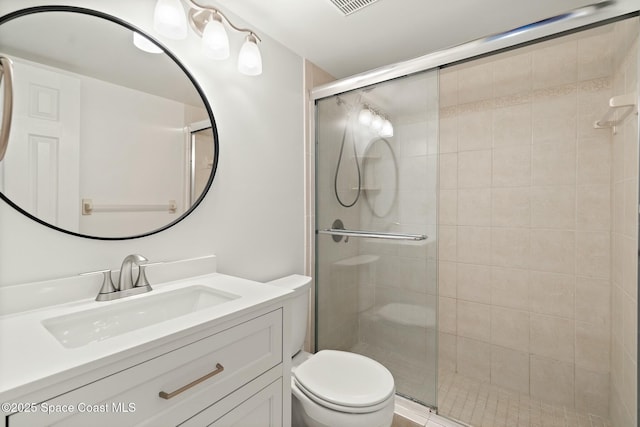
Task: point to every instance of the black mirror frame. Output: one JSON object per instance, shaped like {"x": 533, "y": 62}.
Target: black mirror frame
{"x": 73, "y": 9}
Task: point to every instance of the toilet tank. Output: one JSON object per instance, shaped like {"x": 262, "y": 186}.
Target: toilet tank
{"x": 300, "y": 285}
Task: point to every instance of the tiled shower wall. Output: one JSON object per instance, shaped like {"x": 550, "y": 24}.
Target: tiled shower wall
{"x": 525, "y": 220}
{"x": 624, "y": 191}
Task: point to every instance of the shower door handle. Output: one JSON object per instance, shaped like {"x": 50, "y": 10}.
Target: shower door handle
{"x": 6, "y": 71}
{"x": 372, "y": 234}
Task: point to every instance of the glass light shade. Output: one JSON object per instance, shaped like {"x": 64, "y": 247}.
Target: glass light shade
{"x": 377, "y": 122}
{"x": 169, "y": 19}
{"x": 215, "y": 41}
{"x": 249, "y": 59}
{"x": 387, "y": 129}
{"x": 143, "y": 43}
{"x": 365, "y": 116}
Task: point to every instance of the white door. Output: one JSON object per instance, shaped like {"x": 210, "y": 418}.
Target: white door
{"x": 40, "y": 172}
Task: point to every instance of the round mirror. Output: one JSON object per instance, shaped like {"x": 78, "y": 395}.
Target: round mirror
{"x": 111, "y": 137}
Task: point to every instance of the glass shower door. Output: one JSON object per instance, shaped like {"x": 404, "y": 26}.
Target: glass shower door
{"x": 376, "y": 266}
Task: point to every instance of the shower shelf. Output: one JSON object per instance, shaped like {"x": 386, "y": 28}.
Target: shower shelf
{"x": 367, "y": 189}
{"x": 628, "y": 102}
{"x": 357, "y": 260}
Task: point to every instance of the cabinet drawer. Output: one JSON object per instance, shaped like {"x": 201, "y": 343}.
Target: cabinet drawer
{"x": 244, "y": 408}
{"x": 233, "y": 357}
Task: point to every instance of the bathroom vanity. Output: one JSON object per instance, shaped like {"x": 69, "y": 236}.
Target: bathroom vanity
{"x": 205, "y": 350}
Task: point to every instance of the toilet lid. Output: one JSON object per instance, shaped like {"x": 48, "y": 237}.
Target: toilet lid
{"x": 345, "y": 379}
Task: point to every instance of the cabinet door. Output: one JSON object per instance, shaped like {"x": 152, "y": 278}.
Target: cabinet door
{"x": 262, "y": 409}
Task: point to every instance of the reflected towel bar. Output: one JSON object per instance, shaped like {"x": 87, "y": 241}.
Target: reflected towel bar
{"x": 88, "y": 207}
{"x": 372, "y": 234}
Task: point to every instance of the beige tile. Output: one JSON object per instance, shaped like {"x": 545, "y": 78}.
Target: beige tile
{"x": 474, "y": 359}
{"x": 474, "y": 320}
{"x": 447, "y": 243}
{"x": 593, "y": 97}
{"x": 552, "y": 337}
{"x": 475, "y": 83}
{"x": 447, "y": 353}
{"x": 592, "y": 392}
{"x": 511, "y": 166}
{"x": 593, "y": 253}
{"x": 592, "y": 347}
{"x": 631, "y": 207}
{"x": 629, "y": 266}
{"x": 510, "y": 328}
{"x": 617, "y": 296}
{"x": 447, "y": 279}
{"x": 630, "y": 383}
{"x": 510, "y": 288}
{"x": 448, "y": 214}
{"x": 595, "y": 56}
{"x": 552, "y": 380}
{"x": 510, "y": 247}
{"x": 447, "y": 315}
{"x": 511, "y": 207}
{"x": 474, "y": 130}
{"x": 555, "y": 65}
{"x": 448, "y": 134}
{"x": 512, "y": 75}
{"x": 630, "y": 326}
{"x": 474, "y": 245}
{"x": 617, "y": 209}
{"x": 510, "y": 369}
{"x": 553, "y": 164}
{"x": 554, "y": 115}
{"x": 553, "y": 207}
{"x": 593, "y": 300}
{"x": 448, "y": 85}
{"x": 593, "y": 207}
{"x": 553, "y": 251}
{"x": 512, "y": 126}
{"x": 474, "y": 169}
{"x": 448, "y": 171}
{"x": 474, "y": 283}
{"x": 552, "y": 293}
{"x": 630, "y": 149}
{"x": 594, "y": 161}
{"x": 474, "y": 207}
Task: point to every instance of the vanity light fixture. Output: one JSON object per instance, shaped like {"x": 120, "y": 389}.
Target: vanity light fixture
{"x": 208, "y": 22}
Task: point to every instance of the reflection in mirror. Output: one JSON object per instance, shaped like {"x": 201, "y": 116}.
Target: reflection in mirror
{"x": 104, "y": 134}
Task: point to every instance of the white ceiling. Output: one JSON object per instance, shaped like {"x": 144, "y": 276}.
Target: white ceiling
{"x": 387, "y": 31}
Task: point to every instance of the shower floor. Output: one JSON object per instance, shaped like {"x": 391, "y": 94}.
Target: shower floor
{"x": 473, "y": 402}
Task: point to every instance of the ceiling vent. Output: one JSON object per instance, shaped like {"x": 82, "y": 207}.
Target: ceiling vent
{"x": 350, "y": 6}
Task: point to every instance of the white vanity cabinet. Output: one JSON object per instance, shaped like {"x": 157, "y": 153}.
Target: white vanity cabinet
{"x": 232, "y": 377}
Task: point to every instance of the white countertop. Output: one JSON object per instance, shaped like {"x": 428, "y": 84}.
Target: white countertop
{"x": 31, "y": 358}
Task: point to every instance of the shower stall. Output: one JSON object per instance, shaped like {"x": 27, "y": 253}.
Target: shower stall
{"x": 477, "y": 229}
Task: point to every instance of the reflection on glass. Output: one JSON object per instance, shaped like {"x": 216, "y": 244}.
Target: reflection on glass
{"x": 377, "y": 297}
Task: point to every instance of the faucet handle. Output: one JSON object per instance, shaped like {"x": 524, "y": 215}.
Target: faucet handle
{"x": 107, "y": 284}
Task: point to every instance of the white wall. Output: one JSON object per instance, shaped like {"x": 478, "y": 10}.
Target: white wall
{"x": 253, "y": 216}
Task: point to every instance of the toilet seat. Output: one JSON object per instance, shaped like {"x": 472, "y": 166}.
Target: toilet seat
{"x": 345, "y": 382}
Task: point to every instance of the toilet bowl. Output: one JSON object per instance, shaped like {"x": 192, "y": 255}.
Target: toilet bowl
{"x": 334, "y": 388}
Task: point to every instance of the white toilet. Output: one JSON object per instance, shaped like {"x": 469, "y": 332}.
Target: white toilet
{"x": 333, "y": 388}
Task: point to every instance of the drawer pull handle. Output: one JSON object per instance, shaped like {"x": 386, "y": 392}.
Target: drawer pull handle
{"x": 165, "y": 395}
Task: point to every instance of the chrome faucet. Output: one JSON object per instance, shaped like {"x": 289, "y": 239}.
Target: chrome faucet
{"x": 125, "y": 286}
{"x": 126, "y": 271}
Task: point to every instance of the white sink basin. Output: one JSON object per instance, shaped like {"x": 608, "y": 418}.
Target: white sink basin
{"x": 78, "y": 329}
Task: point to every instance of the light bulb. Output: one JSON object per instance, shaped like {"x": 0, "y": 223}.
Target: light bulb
{"x": 365, "y": 116}
{"x": 143, "y": 43}
{"x": 387, "y": 129}
{"x": 169, "y": 19}
{"x": 249, "y": 58}
{"x": 376, "y": 123}
{"x": 215, "y": 41}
